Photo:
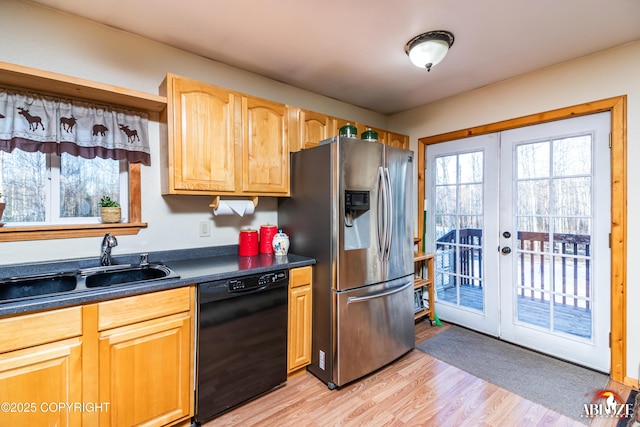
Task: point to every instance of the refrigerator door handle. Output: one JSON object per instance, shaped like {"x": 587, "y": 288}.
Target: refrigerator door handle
{"x": 381, "y": 214}
{"x": 352, "y": 300}
{"x": 389, "y": 225}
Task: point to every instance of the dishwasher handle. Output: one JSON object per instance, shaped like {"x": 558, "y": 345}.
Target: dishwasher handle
{"x": 385, "y": 293}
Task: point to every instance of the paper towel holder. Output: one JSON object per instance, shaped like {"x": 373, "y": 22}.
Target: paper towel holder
{"x": 215, "y": 202}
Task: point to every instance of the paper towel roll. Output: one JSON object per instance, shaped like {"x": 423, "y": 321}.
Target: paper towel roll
{"x": 234, "y": 207}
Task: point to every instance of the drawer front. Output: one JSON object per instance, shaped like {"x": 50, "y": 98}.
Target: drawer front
{"x": 39, "y": 328}
{"x": 300, "y": 276}
{"x": 125, "y": 311}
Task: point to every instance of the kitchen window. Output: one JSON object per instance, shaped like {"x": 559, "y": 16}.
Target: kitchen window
{"x": 59, "y": 157}
{"x": 50, "y": 189}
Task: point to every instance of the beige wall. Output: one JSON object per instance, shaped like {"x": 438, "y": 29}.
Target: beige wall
{"x": 41, "y": 38}
{"x": 607, "y": 74}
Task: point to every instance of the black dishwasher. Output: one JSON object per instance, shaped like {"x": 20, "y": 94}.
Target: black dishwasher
{"x": 242, "y": 341}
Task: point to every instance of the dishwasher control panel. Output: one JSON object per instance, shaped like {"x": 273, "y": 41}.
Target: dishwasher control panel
{"x": 256, "y": 281}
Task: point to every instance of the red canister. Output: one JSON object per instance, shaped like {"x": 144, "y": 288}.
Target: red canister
{"x": 266, "y": 237}
{"x": 248, "y": 244}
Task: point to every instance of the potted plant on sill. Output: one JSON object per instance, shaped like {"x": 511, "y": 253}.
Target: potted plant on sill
{"x": 110, "y": 211}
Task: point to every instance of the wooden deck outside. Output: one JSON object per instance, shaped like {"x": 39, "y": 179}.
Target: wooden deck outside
{"x": 460, "y": 257}
{"x": 566, "y": 317}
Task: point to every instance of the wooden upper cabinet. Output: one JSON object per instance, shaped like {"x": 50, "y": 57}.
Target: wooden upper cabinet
{"x": 201, "y": 137}
{"x": 397, "y": 140}
{"x": 265, "y": 159}
{"x": 313, "y": 128}
{"x": 221, "y": 142}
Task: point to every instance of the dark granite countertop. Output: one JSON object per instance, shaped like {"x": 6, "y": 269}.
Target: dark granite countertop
{"x": 192, "y": 265}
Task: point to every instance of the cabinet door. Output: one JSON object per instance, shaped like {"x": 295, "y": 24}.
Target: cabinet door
{"x": 145, "y": 372}
{"x": 265, "y": 152}
{"x": 299, "y": 340}
{"x": 201, "y": 130}
{"x": 315, "y": 127}
{"x": 36, "y": 382}
{"x": 397, "y": 140}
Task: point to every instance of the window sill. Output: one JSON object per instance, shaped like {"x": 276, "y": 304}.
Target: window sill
{"x": 17, "y": 234}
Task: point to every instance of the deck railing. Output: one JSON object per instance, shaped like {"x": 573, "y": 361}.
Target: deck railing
{"x": 571, "y": 254}
{"x": 572, "y": 248}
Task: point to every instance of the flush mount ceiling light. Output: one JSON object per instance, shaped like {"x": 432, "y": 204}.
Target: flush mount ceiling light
{"x": 427, "y": 49}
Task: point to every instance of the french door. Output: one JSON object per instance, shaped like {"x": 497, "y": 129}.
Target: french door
{"x": 462, "y": 225}
{"x": 521, "y": 236}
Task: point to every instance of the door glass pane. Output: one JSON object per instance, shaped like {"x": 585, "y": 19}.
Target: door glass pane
{"x": 537, "y": 160}
{"x": 445, "y": 199}
{"x": 572, "y": 156}
{"x": 572, "y": 197}
{"x": 459, "y": 192}
{"x": 446, "y": 170}
{"x": 533, "y": 223}
{"x": 445, "y": 228}
{"x": 471, "y": 167}
{"x": 471, "y": 199}
{"x": 533, "y": 197}
{"x": 553, "y": 206}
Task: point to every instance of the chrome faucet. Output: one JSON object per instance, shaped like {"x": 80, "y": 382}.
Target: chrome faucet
{"x": 108, "y": 242}
{"x": 144, "y": 260}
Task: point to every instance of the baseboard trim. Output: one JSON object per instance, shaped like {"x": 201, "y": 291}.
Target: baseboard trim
{"x": 631, "y": 382}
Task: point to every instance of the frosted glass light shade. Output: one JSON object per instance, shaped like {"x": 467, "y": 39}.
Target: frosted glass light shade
{"x": 428, "y": 53}
{"x": 428, "y": 49}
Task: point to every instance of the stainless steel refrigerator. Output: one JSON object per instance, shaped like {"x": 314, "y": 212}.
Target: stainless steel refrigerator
{"x": 351, "y": 209}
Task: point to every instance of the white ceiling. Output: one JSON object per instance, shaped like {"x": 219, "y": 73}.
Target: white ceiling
{"x": 353, "y": 50}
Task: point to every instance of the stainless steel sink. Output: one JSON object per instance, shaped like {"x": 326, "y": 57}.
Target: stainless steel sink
{"x": 33, "y": 286}
{"x": 37, "y": 285}
{"x": 126, "y": 275}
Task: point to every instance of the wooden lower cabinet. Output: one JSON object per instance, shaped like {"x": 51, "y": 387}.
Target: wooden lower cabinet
{"x": 145, "y": 372}
{"x": 41, "y": 366}
{"x": 145, "y": 355}
{"x": 36, "y": 380}
{"x": 299, "y": 339}
{"x": 119, "y": 363}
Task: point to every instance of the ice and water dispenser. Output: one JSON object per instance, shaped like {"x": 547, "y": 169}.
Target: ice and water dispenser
{"x": 357, "y": 219}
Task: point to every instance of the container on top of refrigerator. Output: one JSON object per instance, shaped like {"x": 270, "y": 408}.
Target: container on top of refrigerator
{"x": 369, "y": 135}
{"x": 349, "y": 131}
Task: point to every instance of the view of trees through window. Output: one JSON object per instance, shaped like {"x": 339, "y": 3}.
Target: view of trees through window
{"x": 46, "y": 188}
{"x": 553, "y": 188}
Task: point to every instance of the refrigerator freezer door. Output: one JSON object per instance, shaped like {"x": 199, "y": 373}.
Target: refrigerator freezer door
{"x": 374, "y": 327}
{"x": 359, "y": 258}
{"x": 399, "y": 166}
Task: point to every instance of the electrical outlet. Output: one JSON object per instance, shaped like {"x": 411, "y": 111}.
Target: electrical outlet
{"x": 204, "y": 229}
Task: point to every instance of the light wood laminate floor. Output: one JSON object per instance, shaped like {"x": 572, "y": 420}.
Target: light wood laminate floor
{"x": 416, "y": 390}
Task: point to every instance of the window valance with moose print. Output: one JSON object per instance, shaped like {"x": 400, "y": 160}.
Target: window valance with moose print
{"x": 37, "y": 123}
